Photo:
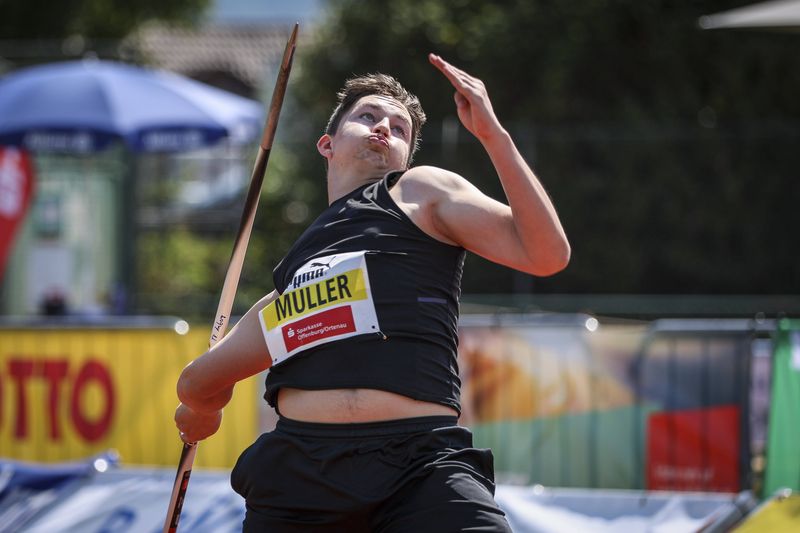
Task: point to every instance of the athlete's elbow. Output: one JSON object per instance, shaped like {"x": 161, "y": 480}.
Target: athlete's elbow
{"x": 201, "y": 392}
{"x": 188, "y": 388}
{"x": 563, "y": 257}
{"x": 184, "y": 387}
{"x": 552, "y": 262}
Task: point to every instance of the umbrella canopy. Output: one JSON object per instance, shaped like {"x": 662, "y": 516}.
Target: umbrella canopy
{"x": 777, "y": 14}
{"x": 82, "y": 106}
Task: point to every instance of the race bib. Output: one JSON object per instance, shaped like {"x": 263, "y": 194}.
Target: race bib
{"x": 329, "y": 299}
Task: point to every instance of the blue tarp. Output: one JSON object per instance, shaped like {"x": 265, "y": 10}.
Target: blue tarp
{"x": 84, "y": 498}
{"x": 29, "y": 490}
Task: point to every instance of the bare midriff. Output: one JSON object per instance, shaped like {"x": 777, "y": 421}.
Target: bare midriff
{"x": 343, "y": 406}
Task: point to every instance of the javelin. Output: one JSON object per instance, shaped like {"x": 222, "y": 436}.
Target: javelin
{"x": 235, "y": 266}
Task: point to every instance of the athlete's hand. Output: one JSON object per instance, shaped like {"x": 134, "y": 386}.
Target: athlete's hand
{"x": 472, "y": 100}
{"x": 194, "y": 426}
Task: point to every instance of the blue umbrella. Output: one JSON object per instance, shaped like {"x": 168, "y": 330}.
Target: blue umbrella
{"x": 82, "y": 106}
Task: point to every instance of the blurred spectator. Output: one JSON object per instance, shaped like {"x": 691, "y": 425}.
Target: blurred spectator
{"x": 54, "y": 303}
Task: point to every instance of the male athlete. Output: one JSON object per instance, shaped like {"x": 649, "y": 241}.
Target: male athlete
{"x": 360, "y": 337}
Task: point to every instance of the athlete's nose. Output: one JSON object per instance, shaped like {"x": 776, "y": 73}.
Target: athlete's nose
{"x": 382, "y": 126}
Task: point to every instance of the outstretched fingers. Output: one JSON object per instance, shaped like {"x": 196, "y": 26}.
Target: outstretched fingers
{"x": 457, "y": 77}
{"x": 471, "y": 97}
{"x": 472, "y": 88}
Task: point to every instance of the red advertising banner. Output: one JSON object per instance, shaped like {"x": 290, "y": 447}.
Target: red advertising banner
{"x": 16, "y": 189}
{"x": 694, "y": 450}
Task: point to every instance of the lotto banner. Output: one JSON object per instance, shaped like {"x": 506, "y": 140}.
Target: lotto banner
{"x": 71, "y": 393}
{"x": 16, "y": 189}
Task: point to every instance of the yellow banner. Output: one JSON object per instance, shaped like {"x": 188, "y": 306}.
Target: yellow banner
{"x": 71, "y": 393}
{"x": 779, "y": 514}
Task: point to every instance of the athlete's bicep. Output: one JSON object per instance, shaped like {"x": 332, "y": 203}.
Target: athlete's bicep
{"x": 480, "y": 224}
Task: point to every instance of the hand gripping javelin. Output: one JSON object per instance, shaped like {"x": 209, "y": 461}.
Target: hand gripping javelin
{"x": 235, "y": 265}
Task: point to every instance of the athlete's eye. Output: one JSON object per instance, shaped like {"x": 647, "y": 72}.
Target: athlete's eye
{"x": 367, "y": 115}
{"x": 401, "y": 131}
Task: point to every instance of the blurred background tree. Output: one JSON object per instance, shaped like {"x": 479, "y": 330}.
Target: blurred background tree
{"x": 671, "y": 153}
{"x": 100, "y": 19}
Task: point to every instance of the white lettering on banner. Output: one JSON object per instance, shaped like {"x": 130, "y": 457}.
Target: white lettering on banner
{"x": 59, "y": 142}
{"x": 328, "y": 299}
{"x": 12, "y": 182}
{"x": 684, "y": 473}
{"x": 172, "y": 140}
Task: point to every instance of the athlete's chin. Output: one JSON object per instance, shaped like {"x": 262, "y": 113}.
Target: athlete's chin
{"x": 376, "y": 160}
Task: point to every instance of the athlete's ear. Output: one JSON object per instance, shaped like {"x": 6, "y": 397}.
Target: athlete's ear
{"x": 324, "y": 146}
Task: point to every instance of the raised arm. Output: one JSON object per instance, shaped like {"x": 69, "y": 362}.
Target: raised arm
{"x": 206, "y": 384}
{"x": 526, "y": 234}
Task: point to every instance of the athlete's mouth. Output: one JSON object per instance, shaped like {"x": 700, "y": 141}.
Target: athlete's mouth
{"x": 379, "y": 139}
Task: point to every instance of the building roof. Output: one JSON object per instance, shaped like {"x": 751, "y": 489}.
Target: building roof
{"x": 250, "y": 53}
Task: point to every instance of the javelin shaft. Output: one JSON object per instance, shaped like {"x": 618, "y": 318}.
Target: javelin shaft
{"x": 235, "y": 265}
{"x": 253, "y": 194}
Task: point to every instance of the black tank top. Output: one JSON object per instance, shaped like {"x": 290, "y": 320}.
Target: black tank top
{"x": 415, "y": 284}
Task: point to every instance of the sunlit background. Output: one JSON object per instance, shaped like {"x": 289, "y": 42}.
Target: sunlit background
{"x": 665, "y": 360}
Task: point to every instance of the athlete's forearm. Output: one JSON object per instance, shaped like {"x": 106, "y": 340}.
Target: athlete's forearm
{"x": 535, "y": 219}
{"x": 201, "y": 395}
{"x": 535, "y": 222}
{"x": 206, "y": 384}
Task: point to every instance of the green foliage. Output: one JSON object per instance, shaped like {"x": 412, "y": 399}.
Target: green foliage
{"x": 179, "y": 272}
{"x": 670, "y": 152}
{"x": 283, "y": 213}
{"x": 100, "y": 19}
{"x": 182, "y": 263}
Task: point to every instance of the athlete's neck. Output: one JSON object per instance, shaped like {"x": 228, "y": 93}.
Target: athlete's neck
{"x": 341, "y": 185}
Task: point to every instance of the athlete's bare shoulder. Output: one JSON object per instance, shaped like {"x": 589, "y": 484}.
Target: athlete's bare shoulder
{"x": 435, "y": 176}
{"x": 425, "y": 184}
{"x": 422, "y": 191}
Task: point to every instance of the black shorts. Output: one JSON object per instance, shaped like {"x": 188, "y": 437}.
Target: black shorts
{"x": 411, "y": 475}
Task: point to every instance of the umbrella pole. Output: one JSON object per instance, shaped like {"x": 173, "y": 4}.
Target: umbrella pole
{"x": 235, "y": 265}
{"x": 124, "y": 302}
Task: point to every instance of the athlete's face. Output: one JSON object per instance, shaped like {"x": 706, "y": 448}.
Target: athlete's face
{"x": 375, "y": 134}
